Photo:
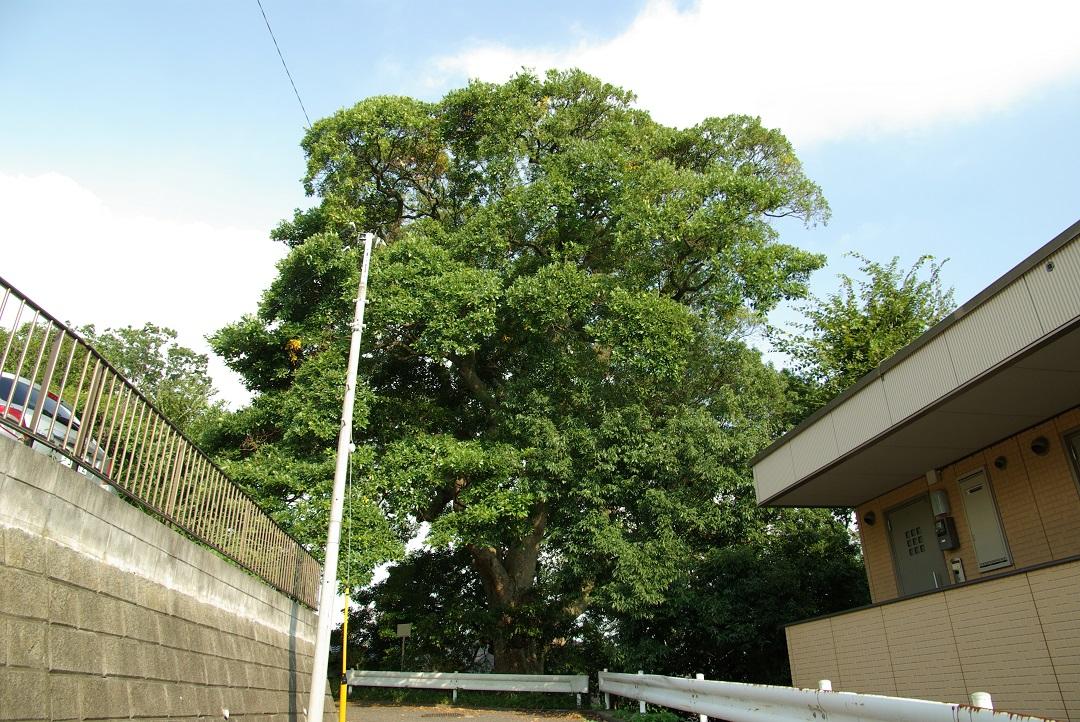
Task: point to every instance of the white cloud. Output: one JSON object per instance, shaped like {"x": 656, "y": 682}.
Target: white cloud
{"x": 818, "y": 71}
{"x": 85, "y": 262}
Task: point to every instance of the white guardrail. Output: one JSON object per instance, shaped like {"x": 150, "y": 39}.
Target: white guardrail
{"x": 736, "y": 702}
{"x": 576, "y": 684}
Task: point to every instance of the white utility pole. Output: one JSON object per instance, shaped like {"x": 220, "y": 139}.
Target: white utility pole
{"x": 328, "y": 593}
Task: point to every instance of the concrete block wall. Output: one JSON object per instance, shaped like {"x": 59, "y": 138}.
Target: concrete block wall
{"x": 1016, "y": 637}
{"x": 107, "y": 614}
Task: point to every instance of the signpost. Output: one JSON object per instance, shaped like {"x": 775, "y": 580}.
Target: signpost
{"x": 404, "y": 630}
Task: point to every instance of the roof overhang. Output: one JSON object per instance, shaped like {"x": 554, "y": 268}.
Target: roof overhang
{"x": 1005, "y": 361}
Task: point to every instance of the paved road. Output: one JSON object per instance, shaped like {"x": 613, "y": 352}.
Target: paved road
{"x": 366, "y": 712}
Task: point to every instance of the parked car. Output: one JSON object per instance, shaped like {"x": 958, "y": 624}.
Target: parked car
{"x": 57, "y": 422}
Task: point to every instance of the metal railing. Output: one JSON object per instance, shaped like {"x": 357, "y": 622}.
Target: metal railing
{"x": 60, "y": 396}
{"x": 575, "y": 684}
{"x": 738, "y": 702}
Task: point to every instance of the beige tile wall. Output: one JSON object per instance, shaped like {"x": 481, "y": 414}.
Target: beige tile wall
{"x": 1056, "y": 592}
{"x": 1001, "y": 646}
{"x": 1017, "y": 637}
{"x": 1037, "y": 497}
{"x": 811, "y": 651}
{"x": 1021, "y": 519}
{"x": 921, "y": 647}
{"x": 1056, "y": 489}
{"x": 858, "y": 656}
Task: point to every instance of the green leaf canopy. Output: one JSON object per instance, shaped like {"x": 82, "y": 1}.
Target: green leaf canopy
{"x": 555, "y": 374}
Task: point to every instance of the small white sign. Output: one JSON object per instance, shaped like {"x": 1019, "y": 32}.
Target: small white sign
{"x": 404, "y": 630}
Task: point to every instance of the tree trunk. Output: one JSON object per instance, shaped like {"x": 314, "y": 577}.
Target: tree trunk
{"x": 517, "y": 654}
{"x": 509, "y": 580}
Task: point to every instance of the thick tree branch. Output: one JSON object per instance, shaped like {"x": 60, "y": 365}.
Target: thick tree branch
{"x": 434, "y": 508}
{"x": 497, "y": 583}
{"x": 466, "y": 367}
{"x": 521, "y": 560}
{"x": 577, "y": 605}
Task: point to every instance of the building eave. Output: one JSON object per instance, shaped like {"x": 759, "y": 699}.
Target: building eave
{"x": 1039, "y": 310}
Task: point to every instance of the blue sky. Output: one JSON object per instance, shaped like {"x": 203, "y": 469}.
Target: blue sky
{"x": 149, "y": 147}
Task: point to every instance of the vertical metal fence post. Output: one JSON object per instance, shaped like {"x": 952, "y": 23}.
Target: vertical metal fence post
{"x": 63, "y": 385}
{"x": 244, "y": 550}
{"x": 641, "y": 702}
{"x": 207, "y": 522}
{"x": 174, "y": 483}
{"x": 232, "y": 526}
{"x": 214, "y": 524}
{"x": 607, "y": 697}
{"x": 94, "y": 416}
{"x": 701, "y": 717}
{"x": 127, "y": 453}
{"x": 93, "y": 396}
{"x": 161, "y": 454}
{"x": 46, "y": 382}
{"x": 116, "y": 412}
{"x": 142, "y": 446}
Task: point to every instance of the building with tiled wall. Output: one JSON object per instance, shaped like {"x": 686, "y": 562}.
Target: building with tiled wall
{"x": 960, "y": 456}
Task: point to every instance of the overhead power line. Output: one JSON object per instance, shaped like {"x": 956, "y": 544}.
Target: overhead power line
{"x": 283, "y": 64}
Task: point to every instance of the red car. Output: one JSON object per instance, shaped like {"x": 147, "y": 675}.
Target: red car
{"x": 57, "y": 422}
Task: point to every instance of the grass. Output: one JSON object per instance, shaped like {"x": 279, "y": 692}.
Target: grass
{"x": 630, "y": 714}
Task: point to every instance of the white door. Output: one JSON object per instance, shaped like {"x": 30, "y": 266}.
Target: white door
{"x": 991, "y": 551}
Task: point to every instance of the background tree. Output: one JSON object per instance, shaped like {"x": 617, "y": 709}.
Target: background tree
{"x": 850, "y": 332}
{"x": 173, "y": 377}
{"x": 725, "y": 615}
{"x": 434, "y": 590}
{"x": 557, "y": 380}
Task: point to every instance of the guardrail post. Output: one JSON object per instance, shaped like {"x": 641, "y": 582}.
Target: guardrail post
{"x": 701, "y": 717}
{"x": 824, "y": 685}
{"x": 454, "y": 696}
{"x": 982, "y": 699}
{"x": 607, "y": 697}
{"x": 641, "y": 702}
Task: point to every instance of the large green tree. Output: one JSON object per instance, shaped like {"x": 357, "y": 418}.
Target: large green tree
{"x": 555, "y": 376}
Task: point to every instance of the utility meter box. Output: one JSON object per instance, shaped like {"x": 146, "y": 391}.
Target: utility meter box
{"x": 945, "y": 529}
